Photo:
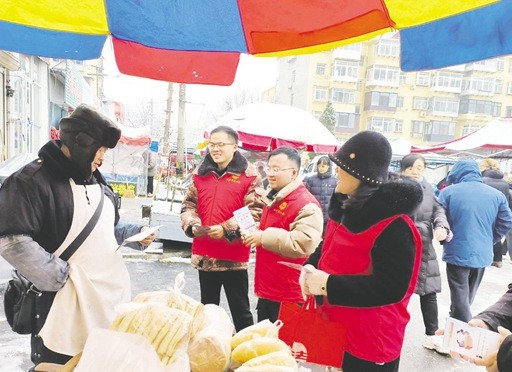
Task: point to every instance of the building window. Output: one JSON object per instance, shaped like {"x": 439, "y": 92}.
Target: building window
{"x": 346, "y": 120}
{"x": 444, "y": 106}
{"x": 508, "y": 111}
{"x": 400, "y": 102}
{"x": 509, "y": 88}
{"x": 402, "y": 78}
{"x": 320, "y": 93}
{"x": 417, "y": 129}
{"x": 420, "y": 103}
{"x": 423, "y": 79}
{"x": 356, "y": 47}
{"x": 442, "y": 128}
{"x": 320, "y": 69}
{"x": 470, "y": 128}
{"x": 384, "y": 74}
{"x": 381, "y": 101}
{"x": 387, "y": 48}
{"x": 498, "y": 87}
{"x": 448, "y": 80}
{"x": 399, "y": 124}
{"x": 479, "y": 84}
{"x": 344, "y": 69}
{"x": 500, "y": 64}
{"x": 343, "y": 95}
{"x": 479, "y": 107}
{"x": 379, "y": 124}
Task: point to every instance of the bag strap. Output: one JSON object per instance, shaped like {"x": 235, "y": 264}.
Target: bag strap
{"x": 71, "y": 249}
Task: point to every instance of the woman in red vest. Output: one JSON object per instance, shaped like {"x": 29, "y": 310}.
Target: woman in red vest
{"x": 368, "y": 266}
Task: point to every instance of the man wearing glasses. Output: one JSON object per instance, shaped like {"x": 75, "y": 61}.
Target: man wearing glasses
{"x": 224, "y": 182}
{"x": 290, "y": 230}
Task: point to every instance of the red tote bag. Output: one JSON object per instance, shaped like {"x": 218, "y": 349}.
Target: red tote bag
{"x": 312, "y": 337}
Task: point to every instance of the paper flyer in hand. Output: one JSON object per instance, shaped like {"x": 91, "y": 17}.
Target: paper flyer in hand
{"x": 473, "y": 342}
{"x": 143, "y": 235}
{"x": 245, "y": 220}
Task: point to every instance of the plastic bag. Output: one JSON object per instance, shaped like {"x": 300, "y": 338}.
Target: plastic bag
{"x": 173, "y": 298}
{"x": 265, "y": 328}
{"x": 281, "y": 358}
{"x": 112, "y": 351}
{"x": 210, "y": 348}
{"x": 253, "y": 348}
{"x": 166, "y": 329}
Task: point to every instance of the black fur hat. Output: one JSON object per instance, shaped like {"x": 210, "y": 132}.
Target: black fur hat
{"x": 84, "y": 132}
{"x": 365, "y": 156}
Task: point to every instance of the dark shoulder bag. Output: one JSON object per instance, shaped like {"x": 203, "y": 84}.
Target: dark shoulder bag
{"x": 20, "y": 294}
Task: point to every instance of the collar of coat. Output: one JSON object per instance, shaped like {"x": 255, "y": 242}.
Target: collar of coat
{"x": 270, "y": 198}
{"x": 402, "y": 196}
{"x": 237, "y": 165}
{"x": 63, "y": 168}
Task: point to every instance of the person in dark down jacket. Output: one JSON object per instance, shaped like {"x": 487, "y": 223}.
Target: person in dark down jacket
{"x": 224, "y": 182}
{"x": 479, "y": 216}
{"x": 322, "y": 184}
{"x": 45, "y": 205}
{"x": 493, "y": 177}
{"x": 430, "y": 219}
{"x": 368, "y": 266}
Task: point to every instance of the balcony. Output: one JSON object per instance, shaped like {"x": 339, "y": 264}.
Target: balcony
{"x": 345, "y": 53}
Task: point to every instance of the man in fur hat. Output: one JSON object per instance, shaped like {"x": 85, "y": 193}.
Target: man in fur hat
{"x": 45, "y": 206}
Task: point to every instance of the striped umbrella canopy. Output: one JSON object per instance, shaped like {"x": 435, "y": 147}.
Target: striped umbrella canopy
{"x": 200, "y": 41}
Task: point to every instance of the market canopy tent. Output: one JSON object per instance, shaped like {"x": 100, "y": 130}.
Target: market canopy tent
{"x": 267, "y": 126}
{"x": 492, "y": 140}
{"x": 200, "y": 41}
{"x": 127, "y": 158}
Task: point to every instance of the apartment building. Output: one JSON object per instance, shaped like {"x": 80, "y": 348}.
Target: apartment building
{"x": 368, "y": 91}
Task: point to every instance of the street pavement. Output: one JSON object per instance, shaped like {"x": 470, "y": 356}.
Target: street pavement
{"x": 156, "y": 272}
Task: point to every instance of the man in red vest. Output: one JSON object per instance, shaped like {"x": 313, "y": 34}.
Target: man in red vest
{"x": 224, "y": 182}
{"x": 290, "y": 230}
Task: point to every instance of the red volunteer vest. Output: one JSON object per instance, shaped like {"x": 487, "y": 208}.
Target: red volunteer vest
{"x": 217, "y": 199}
{"x": 377, "y": 333}
{"x": 274, "y": 281}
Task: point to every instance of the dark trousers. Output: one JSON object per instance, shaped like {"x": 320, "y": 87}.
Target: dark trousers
{"x": 268, "y": 309}
{"x": 463, "y": 282}
{"x": 429, "y": 311}
{"x": 236, "y": 287}
{"x": 149, "y": 187}
{"x": 354, "y": 364}
{"x": 497, "y": 252}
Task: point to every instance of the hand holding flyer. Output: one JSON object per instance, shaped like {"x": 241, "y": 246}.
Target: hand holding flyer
{"x": 245, "y": 220}
{"x": 473, "y": 342}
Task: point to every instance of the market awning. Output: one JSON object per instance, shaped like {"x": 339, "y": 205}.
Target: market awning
{"x": 200, "y": 41}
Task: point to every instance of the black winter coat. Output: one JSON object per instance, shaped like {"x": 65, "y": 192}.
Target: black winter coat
{"x": 427, "y": 217}
{"x": 322, "y": 186}
{"x": 494, "y": 178}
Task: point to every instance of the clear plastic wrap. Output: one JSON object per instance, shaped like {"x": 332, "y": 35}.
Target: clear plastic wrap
{"x": 278, "y": 358}
{"x": 265, "y": 328}
{"x": 166, "y": 329}
{"x": 210, "y": 347}
{"x": 112, "y": 351}
{"x": 250, "y": 349}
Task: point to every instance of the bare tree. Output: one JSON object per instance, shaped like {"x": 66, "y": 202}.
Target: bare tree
{"x": 230, "y": 102}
